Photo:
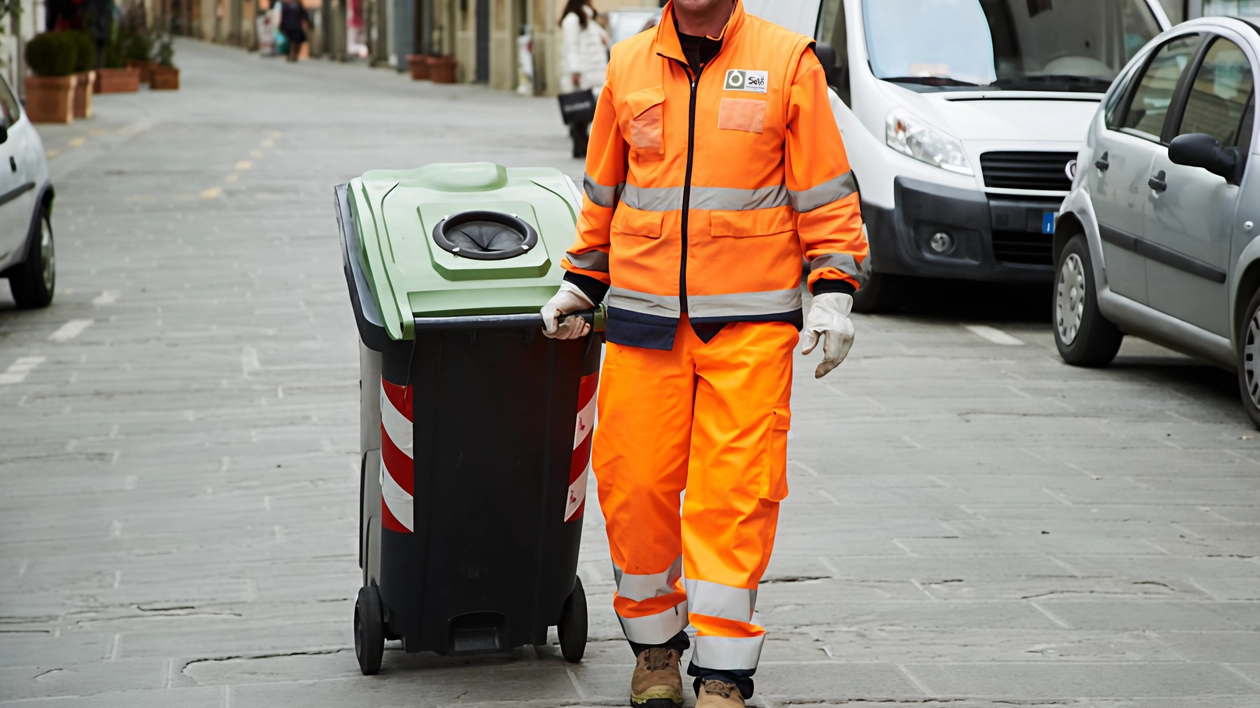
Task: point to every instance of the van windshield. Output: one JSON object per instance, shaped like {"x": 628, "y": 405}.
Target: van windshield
{"x": 1020, "y": 45}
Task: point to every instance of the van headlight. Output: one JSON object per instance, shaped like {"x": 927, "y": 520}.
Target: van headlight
{"x": 911, "y": 136}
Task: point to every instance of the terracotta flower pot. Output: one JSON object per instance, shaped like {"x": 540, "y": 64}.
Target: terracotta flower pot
{"x": 442, "y": 70}
{"x": 118, "y": 80}
{"x": 83, "y": 83}
{"x": 164, "y": 78}
{"x": 419, "y": 66}
{"x": 50, "y": 99}
{"x": 145, "y": 67}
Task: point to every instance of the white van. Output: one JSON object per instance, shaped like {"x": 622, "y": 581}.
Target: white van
{"x": 962, "y": 120}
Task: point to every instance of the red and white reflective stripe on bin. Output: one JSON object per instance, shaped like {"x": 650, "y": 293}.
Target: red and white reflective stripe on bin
{"x": 398, "y": 455}
{"x": 397, "y": 458}
{"x": 582, "y": 436}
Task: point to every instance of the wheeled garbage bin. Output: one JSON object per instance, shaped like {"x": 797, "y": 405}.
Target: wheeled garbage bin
{"x": 475, "y": 428}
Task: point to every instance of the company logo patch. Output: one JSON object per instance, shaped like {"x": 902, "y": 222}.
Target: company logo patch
{"x": 745, "y": 80}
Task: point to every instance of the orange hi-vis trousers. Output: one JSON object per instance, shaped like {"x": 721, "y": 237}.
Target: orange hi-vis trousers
{"x": 710, "y": 419}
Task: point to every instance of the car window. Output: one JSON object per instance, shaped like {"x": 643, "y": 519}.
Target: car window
{"x": 1116, "y": 97}
{"x": 1149, "y": 107}
{"x": 1219, "y": 95}
{"x": 833, "y": 30}
{"x": 10, "y": 111}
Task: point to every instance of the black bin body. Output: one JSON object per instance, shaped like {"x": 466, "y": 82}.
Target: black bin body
{"x": 491, "y": 558}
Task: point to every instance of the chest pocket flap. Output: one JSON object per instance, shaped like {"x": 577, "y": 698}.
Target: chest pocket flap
{"x": 647, "y": 120}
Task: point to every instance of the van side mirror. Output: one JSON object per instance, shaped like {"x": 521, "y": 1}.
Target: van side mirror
{"x": 1200, "y": 150}
{"x": 837, "y": 76}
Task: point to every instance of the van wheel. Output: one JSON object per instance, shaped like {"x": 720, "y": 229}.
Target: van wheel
{"x": 34, "y": 280}
{"x": 879, "y": 293}
{"x": 1249, "y": 360}
{"x": 1084, "y": 337}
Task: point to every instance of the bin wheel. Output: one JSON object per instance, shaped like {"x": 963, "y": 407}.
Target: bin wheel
{"x": 572, "y": 627}
{"x": 369, "y": 630}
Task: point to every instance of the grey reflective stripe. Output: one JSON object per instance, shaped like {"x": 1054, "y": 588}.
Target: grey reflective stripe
{"x": 727, "y": 653}
{"x": 830, "y": 191}
{"x": 601, "y": 195}
{"x": 771, "y": 302}
{"x": 643, "y": 303}
{"x": 658, "y": 628}
{"x": 642, "y": 587}
{"x": 846, "y": 263}
{"x": 653, "y": 198}
{"x": 717, "y": 600}
{"x": 593, "y": 260}
{"x": 705, "y": 198}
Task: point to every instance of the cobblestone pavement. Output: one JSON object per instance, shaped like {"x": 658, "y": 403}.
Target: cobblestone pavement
{"x": 972, "y": 523}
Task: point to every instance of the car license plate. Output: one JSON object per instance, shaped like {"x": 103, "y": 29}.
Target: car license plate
{"x": 1047, "y": 222}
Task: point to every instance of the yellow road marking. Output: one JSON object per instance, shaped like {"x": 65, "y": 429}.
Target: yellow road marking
{"x": 274, "y": 134}
{"x": 255, "y": 154}
{"x": 231, "y": 178}
{"x": 212, "y": 193}
{"x": 267, "y": 143}
{"x": 50, "y": 153}
{"x": 97, "y": 132}
{"x": 77, "y": 142}
{"x": 244, "y": 165}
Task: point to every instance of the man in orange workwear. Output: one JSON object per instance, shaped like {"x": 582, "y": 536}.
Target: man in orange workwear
{"x": 714, "y": 165}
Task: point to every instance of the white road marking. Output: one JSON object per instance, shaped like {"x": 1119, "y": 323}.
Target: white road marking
{"x": 108, "y": 297}
{"x": 17, "y": 371}
{"x": 70, "y": 330}
{"x": 994, "y": 335}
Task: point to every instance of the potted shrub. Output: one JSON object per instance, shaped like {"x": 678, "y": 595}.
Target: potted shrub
{"x": 419, "y": 66}
{"x": 165, "y": 74}
{"x": 442, "y": 70}
{"x": 50, "y": 91}
{"x": 84, "y": 74}
{"x": 138, "y": 49}
{"x": 115, "y": 76}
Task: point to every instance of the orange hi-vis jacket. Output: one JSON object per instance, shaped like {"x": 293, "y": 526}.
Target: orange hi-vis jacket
{"x": 703, "y": 192}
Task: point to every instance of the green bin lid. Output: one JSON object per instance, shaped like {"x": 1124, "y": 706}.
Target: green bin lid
{"x": 462, "y": 239}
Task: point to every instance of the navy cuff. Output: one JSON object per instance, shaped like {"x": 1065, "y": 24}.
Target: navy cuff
{"x": 834, "y": 286}
{"x": 589, "y": 286}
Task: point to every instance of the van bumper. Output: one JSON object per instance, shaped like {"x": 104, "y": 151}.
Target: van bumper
{"x": 994, "y": 238}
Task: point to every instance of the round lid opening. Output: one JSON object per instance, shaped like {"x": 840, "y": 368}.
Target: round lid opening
{"x": 485, "y": 235}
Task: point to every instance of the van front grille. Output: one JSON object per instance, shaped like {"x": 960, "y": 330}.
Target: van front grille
{"x": 1027, "y": 170}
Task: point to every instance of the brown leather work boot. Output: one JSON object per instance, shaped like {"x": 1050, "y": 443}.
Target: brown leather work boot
{"x": 657, "y": 682}
{"x": 719, "y": 694}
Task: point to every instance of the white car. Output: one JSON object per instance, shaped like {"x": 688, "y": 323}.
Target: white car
{"x": 1158, "y": 237}
{"x": 960, "y": 119}
{"x": 27, "y": 258}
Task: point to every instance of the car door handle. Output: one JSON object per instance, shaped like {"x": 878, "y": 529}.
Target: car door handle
{"x": 1103, "y": 164}
{"x": 12, "y": 164}
{"x": 1158, "y": 182}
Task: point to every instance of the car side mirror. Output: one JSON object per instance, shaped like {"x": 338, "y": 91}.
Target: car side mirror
{"x": 1201, "y": 150}
{"x": 4, "y": 133}
{"x": 837, "y": 76}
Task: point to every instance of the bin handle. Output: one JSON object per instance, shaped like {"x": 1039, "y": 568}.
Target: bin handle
{"x": 594, "y": 317}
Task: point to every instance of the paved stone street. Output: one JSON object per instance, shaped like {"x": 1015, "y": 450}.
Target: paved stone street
{"x": 972, "y": 523}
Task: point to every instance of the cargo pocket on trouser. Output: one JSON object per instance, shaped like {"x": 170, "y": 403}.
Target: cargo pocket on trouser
{"x": 774, "y": 486}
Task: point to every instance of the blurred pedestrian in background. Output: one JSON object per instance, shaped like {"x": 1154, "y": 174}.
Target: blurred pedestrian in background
{"x": 585, "y": 45}
{"x": 293, "y": 23}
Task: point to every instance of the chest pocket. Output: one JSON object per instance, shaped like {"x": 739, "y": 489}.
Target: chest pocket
{"x": 647, "y": 122}
{"x": 748, "y": 115}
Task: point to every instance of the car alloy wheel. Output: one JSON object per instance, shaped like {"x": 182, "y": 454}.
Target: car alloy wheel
{"x": 1251, "y": 358}
{"x": 1070, "y": 298}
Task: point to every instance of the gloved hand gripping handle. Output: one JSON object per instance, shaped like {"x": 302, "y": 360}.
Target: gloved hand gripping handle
{"x": 594, "y": 317}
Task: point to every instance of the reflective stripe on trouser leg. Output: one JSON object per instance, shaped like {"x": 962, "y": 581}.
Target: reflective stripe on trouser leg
{"x": 658, "y": 628}
{"x": 723, "y": 601}
{"x": 728, "y": 653}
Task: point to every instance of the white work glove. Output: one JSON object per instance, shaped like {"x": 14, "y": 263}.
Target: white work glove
{"x": 569, "y": 299}
{"x": 829, "y": 320}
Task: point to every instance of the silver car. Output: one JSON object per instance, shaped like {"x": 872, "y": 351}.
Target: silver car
{"x": 1158, "y": 237}
{"x": 27, "y": 258}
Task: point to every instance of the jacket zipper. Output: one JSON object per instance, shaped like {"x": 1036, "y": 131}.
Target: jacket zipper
{"x": 686, "y": 200}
